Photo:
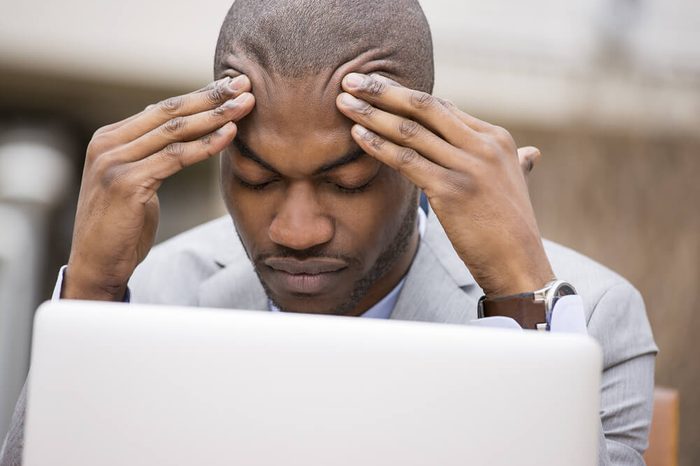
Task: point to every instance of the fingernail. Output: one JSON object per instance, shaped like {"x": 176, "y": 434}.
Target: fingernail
{"x": 354, "y": 80}
{"x": 350, "y": 101}
{"x": 238, "y": 82}
{"x": 230, "y": 104}
{"x": 360, "y": 130}
{"x": 233, "y": 103}
{"x": 224, "y": 129}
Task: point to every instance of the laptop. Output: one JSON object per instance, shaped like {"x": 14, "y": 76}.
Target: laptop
{"x": 124, "y": 384}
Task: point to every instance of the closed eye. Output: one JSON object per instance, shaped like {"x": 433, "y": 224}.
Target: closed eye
{"x": 253, "y": 186}
{"x": 353, "y": 190}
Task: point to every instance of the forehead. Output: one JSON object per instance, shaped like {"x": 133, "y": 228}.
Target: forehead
{"x": 295, "y": 119}
{"x": 289, "y": 104}
{"x": 295, "y": 123}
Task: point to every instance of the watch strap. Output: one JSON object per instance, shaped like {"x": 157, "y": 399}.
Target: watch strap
{"x": 522, "y": 308}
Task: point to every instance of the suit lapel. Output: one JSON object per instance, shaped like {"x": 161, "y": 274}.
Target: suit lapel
{"x": 438, "y": 287}
{"x": 235, "y": 286}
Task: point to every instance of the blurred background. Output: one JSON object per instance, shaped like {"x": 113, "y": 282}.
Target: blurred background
{"x": 609, "y": 90}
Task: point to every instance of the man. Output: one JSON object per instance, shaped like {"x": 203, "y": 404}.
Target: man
{"x": 323, "y": 115}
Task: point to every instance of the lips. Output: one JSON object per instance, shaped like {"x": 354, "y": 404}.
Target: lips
{"x": 306, "y": 267}
{"x": 310, "y": 276}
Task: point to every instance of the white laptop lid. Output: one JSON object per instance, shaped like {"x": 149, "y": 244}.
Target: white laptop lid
{"x": 115, "y": 384}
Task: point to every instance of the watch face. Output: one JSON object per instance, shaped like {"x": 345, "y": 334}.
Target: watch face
{"x": 564, "y": 289}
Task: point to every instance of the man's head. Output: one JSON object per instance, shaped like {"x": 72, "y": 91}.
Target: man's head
{"x": 328, "y": 228}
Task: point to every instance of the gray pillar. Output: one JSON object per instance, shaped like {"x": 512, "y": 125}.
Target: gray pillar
{"x": 35, "y": 172}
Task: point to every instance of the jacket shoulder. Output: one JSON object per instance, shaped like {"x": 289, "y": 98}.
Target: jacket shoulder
{"x": 615, "y": 311}
{"x": 590, "y": 278}
{"x": 174, "y": 269}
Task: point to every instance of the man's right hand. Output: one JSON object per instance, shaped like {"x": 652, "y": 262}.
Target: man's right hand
{"x": 126, "y": 162}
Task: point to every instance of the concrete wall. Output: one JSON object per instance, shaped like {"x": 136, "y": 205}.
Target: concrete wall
{"x": 633, "y": 203}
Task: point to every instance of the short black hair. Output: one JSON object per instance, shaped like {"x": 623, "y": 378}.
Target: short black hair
{"x": 298, "y": 38}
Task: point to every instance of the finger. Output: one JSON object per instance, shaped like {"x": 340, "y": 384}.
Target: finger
{"x": 187, "y": 104}
{"x": 469, "y": 120}
{"x": 528, "y": 157}
{"x": 213, "y": 84}
{"x": 419, "y": 170}
{"x": 118, "y": 124}
{"x": 419, "y": 106}
{"x": 113, "y": 126}
{"x": 385, "y": 79}
{"x": 402, "y": 131}
{"x": 186, "y": 128}
{"x": 179, "y": 155}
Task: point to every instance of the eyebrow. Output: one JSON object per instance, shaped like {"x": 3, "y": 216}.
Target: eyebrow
{"x": 348, "y": 158}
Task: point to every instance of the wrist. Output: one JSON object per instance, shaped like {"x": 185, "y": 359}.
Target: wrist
{"x": 531, "y": 310}
{"x": 516, "y": 279}
{"x": 518, "y": 285}
{"x": 77, "y": 285}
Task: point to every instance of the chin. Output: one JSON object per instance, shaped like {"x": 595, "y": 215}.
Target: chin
{"x": 315, "y": 304}
{"x": 326, "y": 293}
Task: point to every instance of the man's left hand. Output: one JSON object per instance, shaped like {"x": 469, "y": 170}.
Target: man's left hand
{"x": 468, "y": 169}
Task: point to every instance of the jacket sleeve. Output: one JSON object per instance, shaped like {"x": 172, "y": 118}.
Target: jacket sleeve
{"x": 619, "y": 323}
{"x": 11, "y": 452}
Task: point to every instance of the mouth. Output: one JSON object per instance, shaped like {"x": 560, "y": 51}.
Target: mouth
{"x": 307, "y": 277}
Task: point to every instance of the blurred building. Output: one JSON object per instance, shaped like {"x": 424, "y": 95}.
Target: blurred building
{"x": 608, "y": 89}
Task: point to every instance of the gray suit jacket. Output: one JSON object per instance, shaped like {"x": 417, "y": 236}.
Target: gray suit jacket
{"x": 207, "y": 266}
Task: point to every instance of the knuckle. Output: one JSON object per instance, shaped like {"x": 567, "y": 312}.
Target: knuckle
{"x": 408, "y": 129}
{"x": 218, "y": 113}
{"x": 374, "y": 87}
{"x": 365, "y": 109}
{"x": 421, "y": 100}
{"x": 209, "y": 86}
{"x": 101, "y": 165}
{"x": 174, "y": 126}
{"x": 494, "y": 149}
{"x": 99, "y": 132}
{"x": 206, "y": 139}
{"x": 488, "y": 146}
{"x": 99, "y": 143}
{"x": 216, "y": 95}
{"x": 385, "y": 79}
{"x": 174, "y": 150}
{"x": 375, "y": 141}
{"x": 502, "y": 135}
{"x": 172, "y": 105}
{"x": 448, "y": 104}
{"x": 406, "y": 156}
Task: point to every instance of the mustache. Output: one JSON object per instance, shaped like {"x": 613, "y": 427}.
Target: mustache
{"x": 316, "y": 252}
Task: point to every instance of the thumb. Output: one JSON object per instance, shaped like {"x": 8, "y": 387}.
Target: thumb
{"x": 528, "y": 158}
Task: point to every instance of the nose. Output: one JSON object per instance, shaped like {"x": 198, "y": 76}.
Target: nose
{"x": 300, "y": 222}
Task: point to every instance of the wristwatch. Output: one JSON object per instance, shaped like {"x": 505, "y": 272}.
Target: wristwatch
{"x": 532, "y": 310}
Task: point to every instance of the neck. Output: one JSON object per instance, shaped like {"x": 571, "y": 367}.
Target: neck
{"x": 390, "y": 279}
